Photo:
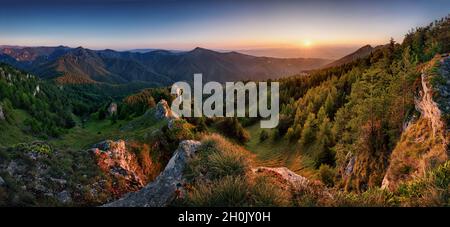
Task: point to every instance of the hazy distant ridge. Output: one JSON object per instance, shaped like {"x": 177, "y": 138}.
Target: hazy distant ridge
{"x": 159, "y": 66}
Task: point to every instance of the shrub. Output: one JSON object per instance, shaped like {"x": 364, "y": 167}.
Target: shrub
{"x": 326, "y": 175}
{"x": 37, "y": 147}
{"x": 179, "y": 130}
{"x": 441, "y": 175}
{"x": 263, "y": 135}
{"x": 232, "y": 128}
{"x": 431, "y": 190}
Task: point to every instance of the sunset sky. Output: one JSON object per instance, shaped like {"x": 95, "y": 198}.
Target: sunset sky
{"x": 222, "y": 25}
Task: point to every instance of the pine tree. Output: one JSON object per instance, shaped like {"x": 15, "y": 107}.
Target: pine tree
{"x": 308, "y": 133}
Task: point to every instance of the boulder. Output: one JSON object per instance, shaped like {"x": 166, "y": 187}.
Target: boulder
{"x": 166, "y": 186}
{"x": 297, "y": 181}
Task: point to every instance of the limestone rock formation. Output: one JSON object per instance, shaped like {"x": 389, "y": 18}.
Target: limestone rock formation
{"x": 163, "y": 111}
{"x": 114, "y": 158}
{"x": 112, "y": 109}
{"x": 167, "y": 185}
{"x": 295, "y": 183}
{"x": 296, "y": 180}
{"x": 423, "y": 144}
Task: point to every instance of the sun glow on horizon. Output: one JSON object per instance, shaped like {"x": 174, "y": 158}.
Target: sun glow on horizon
{"x": 307, "y": 43}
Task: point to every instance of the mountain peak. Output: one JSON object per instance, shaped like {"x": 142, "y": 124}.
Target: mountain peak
{"x": 364, "y": 48}
{"x": 359, "y": 53}
{"x": 200, "y": 49}
{"x": 79, "y": 49}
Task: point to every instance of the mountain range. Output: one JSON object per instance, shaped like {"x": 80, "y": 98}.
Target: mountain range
{"x": 81, "y": 65}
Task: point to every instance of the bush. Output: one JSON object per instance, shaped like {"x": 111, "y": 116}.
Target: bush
{"x": 179, "y": 130}
{"x": 326, "y": 175}
{"x": 263, "y": 135}
{"x": 37, "y": 147}
{"x": 431, "y": 190}
{"x": 232, "y": 128}
{"x": 441, "y": 175}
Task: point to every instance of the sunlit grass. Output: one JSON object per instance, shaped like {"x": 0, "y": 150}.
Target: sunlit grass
{"x": 11, "y": 133}
{"x": 278, "y": 152}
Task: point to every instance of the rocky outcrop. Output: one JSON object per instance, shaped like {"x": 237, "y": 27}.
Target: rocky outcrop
{"x": 294, "y": 183}
{"x": 428, "y": 107}
{"x": 350, "y": 165}
{"x": 36, "y": 174}
{"x": 423, "y": 144}
{"x": 297, "y": 181}
{"x": 2, "y": 115}
{"x": 36, "y": 90}
{"x": 112, "y": 109}
{"x": 167, "y": 186}
{"x": 163, "y": 111}
{"x": 30, "y": 172}
{"x": 114, "y": 158}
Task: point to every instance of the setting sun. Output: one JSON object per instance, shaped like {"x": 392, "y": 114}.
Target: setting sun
{"x": 307, "y": 43}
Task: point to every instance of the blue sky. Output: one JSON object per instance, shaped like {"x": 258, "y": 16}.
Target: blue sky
{"x": 172, "y": 24}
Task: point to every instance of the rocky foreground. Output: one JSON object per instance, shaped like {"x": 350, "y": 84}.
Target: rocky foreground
{"x": 167, "y": 186}
{"x": 171, "y": 183}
